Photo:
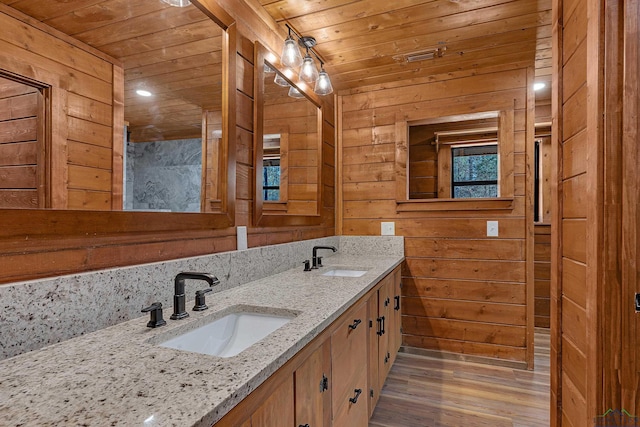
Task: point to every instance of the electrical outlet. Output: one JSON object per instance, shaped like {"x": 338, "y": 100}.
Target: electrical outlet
{"x": 388, "y": 228}
{"x": 242, "y": 237}
{"x": 492, "y": 228}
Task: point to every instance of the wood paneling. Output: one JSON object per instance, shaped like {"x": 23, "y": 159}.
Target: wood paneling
{"x": 365, "y": 42}
{"x": 463, "y": 292}
{"x": 47, "y": 243}
{"x": 542, "y": 275}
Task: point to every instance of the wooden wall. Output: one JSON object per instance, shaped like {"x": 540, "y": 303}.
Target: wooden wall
{"x": 571, "y": 218}
{"x": 463, "y": 292}
{"x": 81, "y": 90}
{"x": 22, "y": 165}
{"x": 43, "y": 243}
{"x": 594, "y": 340}
{"x": 542, "y": 275}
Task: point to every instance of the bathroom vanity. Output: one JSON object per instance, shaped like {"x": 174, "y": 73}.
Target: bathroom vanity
{"x": 324, "y": 366}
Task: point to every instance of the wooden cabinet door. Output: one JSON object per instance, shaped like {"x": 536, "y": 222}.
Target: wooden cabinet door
{"x": 396, "y": 330}
{"x": 278, "y": 409}
{"x": 374, "y": 386}
{"x": 385, "y": 322}
{"x": 312, "y": 395}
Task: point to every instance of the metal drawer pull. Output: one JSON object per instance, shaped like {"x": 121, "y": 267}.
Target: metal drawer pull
{"x": 397, "y": 298}
{"x": 355, "y": 324}
{"x": 354, "y": 399}
{"x": 304, "y": 425}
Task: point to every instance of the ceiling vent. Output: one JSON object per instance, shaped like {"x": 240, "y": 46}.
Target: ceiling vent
{"x": 424, "y": 55}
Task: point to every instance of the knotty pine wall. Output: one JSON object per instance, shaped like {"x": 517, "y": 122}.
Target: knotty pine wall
{"x": 570, "y": 300}
{"x": 44, "y": 243}
{"x": 462, "y": 292}
{"x": 81, "y": 88}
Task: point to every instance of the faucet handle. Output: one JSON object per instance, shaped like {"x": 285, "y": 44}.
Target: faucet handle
{"x": 156, "y": 315}
{"x": 319, "y": 263}
{"x": 307, "y": 265}
{"x": 200, "y": 304}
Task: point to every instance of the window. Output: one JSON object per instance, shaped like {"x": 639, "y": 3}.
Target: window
{"x": 474, "y": 171}
{"x": 271, "y": 179}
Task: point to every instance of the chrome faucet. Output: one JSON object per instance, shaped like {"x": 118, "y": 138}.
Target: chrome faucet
{"x": 179, "y": 311}
{"x": 316, "y": 260}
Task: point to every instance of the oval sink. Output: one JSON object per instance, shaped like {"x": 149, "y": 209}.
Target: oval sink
{"x": 345, "y": 273}
{"x": 228, "y": 335}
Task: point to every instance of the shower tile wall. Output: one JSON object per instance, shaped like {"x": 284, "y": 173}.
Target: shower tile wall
{"x": 164, "y": 175}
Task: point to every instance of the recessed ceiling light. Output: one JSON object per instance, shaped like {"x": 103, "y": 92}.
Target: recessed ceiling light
{"x": 142, "y": 92}
{"x": 539, "y": 86}
{"x": 178, "y": 3}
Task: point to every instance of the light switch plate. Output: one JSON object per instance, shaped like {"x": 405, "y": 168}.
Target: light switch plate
{"x": 492, "y": 228}
{"x": 388, "y": 228}
{"x": 242, "y": 237}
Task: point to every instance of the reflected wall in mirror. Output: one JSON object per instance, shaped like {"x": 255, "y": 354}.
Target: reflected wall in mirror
{"x": 163, "y": 145}
{"x": 456, "y": 157}
{"x": 288, "y": 143}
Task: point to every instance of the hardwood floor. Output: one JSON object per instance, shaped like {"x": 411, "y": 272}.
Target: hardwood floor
{"x": 430, "y": 392}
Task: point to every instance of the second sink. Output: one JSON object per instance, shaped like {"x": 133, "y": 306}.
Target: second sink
{"x": 228, "y": 335}
{"x": 338, "y": 272}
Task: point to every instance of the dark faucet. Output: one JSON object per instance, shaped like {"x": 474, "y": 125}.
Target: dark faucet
{"x": 316, "y": 260}
{"x": 179, "y": 311}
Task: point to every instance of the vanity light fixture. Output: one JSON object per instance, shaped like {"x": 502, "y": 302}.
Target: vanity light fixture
{"x": 323, "y": 84}
{"x": 291, "y": 58}
{"x": 280, "y": 81}
{"x": 295, "y": 93}
{"x": 178, "y": 3}
{"x": 143, "y": 92}
{"x": 308, "y": 71}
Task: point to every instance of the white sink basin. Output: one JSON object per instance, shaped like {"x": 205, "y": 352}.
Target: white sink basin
{"x": 345, "y": 273}
{"x": 228, "y": 335}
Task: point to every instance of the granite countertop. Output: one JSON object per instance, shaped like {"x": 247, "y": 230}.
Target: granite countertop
{"x": 117, "y": 377}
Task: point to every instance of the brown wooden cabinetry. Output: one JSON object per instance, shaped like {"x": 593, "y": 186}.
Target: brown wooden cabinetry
{"x": 384, "y": 332}
{"x": 348, "y": 369}
{"x": 311, "y": 381}
{"x": 330, "y": 381}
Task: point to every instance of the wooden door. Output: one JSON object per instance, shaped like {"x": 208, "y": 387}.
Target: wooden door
{"x": 397, "y": 314}
{"x": 312, "y": 396}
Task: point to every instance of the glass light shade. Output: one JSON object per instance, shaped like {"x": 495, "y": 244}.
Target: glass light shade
{"x": 295, "y": 93}
{"x": 323, "y": 84}
{"x": 178, "y": 3}
{"x": 308, "y": 71}
{"x": 291, "y": 56}
{"x": 280, "y": 81}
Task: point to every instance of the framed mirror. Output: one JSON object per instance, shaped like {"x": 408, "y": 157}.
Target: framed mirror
{"x": 459, "y": 162}
{"x": 287, "y": 146}
{"x": 182, "y": 58}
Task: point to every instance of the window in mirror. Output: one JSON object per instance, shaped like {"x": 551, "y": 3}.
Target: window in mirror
{"x": 455, "y": 157}
{"x": 474, "y": 171}
{"x": 271, "y": 170}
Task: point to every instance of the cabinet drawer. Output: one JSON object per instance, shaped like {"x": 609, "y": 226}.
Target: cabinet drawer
{"x": 349, "y": 413}
{"x": 348, "y": 355}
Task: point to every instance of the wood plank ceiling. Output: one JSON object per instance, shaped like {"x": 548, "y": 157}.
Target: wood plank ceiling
{"x": 175, "y": 53}
{"x": 366, "y": 41}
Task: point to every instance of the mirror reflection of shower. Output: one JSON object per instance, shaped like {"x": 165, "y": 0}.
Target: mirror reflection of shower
{"x": 162, "y": 176}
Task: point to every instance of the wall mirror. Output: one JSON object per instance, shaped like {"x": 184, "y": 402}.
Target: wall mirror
{"x": 287, "y": 146}
{"x": 162, "y": 146}
{"x": 461, "y": 157}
